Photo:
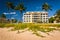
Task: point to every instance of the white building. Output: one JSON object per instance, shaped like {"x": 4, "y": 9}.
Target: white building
{"x": 32, "y": 17}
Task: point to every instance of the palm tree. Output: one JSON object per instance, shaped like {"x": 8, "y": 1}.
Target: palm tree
{"x": 10, "y": 5}
{"x": 21, "y": 8}
{"x": 3, "y": 18}
{"x": 57, "y": 15}
{"x": 46, "y": 7}
{"x": 58, "y": 12}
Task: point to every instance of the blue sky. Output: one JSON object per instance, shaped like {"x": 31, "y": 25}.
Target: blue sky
{"x": 31, "y": 5}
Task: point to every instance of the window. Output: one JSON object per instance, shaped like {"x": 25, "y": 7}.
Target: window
{"x": 43, "y": 14}
{"x": 24, "y": 20}
{"x": 29, "y": 16}
{"x": 46, "y": 14}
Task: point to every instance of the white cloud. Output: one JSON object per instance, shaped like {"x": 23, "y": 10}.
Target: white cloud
{"x": 12, "y": 18}
{"x": 10, "y": 13}
{"x": 13, "y": 13}
{"x": 5, "y": 13}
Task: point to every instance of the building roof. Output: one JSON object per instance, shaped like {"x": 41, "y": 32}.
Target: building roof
{"x": 32, "y": 12}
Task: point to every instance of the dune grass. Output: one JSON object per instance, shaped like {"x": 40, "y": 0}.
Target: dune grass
{"x": 35, "y": 28}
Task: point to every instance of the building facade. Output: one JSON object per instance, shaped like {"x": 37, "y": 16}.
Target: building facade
{"x": 34, "y": 17}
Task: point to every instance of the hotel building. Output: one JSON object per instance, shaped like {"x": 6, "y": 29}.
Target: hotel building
{"x": 34, "y": 17}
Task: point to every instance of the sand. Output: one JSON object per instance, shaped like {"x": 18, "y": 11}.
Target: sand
{"x": 12, "y": 35}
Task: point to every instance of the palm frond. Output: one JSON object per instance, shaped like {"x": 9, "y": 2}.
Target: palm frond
{"x": 46, "y": 7}
{"x": 10, "y": 5}
{"x": 20, "y": 7}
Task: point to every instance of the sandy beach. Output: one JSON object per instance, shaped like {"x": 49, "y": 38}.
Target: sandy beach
{"x": 12, "y": 35}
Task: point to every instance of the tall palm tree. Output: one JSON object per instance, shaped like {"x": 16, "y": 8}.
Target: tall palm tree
{"x": 21, "y": 8}
{"x": 46, "y": 7}
{"x": 10, "y": 5}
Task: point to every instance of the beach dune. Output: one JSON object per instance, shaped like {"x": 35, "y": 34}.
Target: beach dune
{"x": 12, "y": 35}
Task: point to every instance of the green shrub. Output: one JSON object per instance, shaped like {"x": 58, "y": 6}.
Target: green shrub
{"x": 58, "y": 25}
{"x": 9, "y": 25}
{"x": 20, "y": 26}
{"x": 34, "y": 27}
{"x": 2, "y": 25}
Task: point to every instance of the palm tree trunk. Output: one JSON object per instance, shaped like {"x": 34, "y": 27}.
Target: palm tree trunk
{"x": 21, "y": 15}
{"x": 18, "y": 31}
